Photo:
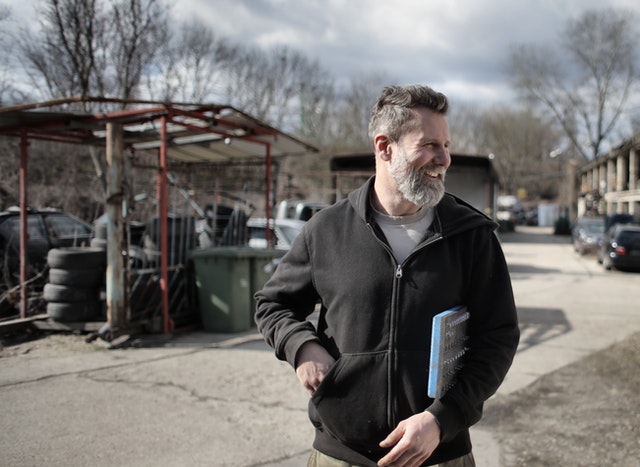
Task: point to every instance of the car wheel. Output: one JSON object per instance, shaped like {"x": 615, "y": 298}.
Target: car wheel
{"x": 77, "y": 258}
{"x": 67, "y": 293}
{"x": 74, "y": 311}
{"x": 76, "y": 277}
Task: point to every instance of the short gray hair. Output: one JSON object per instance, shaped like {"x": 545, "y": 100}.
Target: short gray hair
{"x": 392, "y": 114}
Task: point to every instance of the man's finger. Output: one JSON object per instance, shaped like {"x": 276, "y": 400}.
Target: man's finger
{"x": 392, "y": 439}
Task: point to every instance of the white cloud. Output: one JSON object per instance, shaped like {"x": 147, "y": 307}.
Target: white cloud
{"x": 438, "y": 42}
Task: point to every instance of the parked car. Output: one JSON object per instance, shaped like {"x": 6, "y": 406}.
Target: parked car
{"x": 283, "y": 232}
{"x": 614, "y": 219}
{"x": 298, "y": 209}
{"x": 587, "y": 234}
{"x": 620, "y": 248}
{"x": 46, "y": 229}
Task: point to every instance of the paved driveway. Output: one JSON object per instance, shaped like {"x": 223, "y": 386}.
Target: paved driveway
{"x": 568, "y": 305}
{"x": 203, "y": 399}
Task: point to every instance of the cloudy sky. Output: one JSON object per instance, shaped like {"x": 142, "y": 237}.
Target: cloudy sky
{"x": 456, "y": 46}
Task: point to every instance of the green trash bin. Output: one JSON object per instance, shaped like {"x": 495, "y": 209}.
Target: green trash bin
{"x": 226, "y": 279}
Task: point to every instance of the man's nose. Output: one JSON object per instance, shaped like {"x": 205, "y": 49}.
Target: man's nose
{"x": 442, "y": 157}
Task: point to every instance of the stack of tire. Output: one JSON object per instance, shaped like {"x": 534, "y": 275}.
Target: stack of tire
{"x": 76, "y": 278}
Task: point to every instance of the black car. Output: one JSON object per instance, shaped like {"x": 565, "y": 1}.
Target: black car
{"x": 610, "y": 221}
{"x": 46, "y": 229}
{"x": 587, "y": 234}
{"x": 620, "y": 248}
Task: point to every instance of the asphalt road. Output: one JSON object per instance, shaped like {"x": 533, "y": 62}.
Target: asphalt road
{"x": 203, "y": 399}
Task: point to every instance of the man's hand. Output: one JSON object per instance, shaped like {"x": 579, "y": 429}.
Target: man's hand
{"x": 312, "y": 364}
{"x": 413, "y": 441}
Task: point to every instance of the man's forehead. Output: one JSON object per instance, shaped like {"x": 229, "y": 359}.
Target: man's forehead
{"x": 427, "y": 124}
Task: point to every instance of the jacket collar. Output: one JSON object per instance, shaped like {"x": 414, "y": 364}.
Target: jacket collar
{"x": 452, "y": 214}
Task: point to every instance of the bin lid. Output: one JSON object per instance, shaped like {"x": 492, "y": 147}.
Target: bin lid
{"x": 235, "y": 252}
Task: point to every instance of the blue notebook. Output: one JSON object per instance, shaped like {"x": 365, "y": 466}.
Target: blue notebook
{"x": 448, "y": 346}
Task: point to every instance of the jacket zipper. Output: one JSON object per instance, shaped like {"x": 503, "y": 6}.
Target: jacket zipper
{"x": 392, "y": 353}
{"x": 391, "y": 410}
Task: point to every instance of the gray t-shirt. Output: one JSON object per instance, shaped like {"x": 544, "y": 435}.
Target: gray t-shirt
{"x": 404, "y": 232}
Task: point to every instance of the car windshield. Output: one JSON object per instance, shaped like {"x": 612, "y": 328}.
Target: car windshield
{"x": 66, "y": 227}
{"x": 258, "y": 233}
{"x": 290, "y": 232}
{"x": 593, "y": 227}
{"x": 35, "y": 229}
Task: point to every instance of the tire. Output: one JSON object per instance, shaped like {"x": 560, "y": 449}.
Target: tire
{"x": 77, "y": 258}
{"x": 67, "y": 293}
{"x": 77, "y": 277}
{"x": 73, "y": 312}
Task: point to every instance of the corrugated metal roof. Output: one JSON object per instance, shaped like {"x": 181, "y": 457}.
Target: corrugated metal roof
{"x": 196, "y": 132}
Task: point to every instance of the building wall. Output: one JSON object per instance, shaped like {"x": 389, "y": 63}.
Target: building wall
{"x": 611, "y": 183}
{"x": 470, "y": 177}
{"x": 472, "y": 184}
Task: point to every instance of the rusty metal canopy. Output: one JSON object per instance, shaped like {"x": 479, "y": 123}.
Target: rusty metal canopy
{"x": 188, "y": 133}
{"x": 195, "y": 132}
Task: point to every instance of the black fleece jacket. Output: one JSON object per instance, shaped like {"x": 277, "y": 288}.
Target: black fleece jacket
{"x": 375, "y": 319}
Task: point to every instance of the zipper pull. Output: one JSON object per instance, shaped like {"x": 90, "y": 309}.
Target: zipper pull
{"x": 399, "y": 272}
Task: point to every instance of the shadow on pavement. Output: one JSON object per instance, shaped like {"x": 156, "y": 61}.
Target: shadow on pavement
{"x": 538, "y": 325}
{"x": 194, "y": 339}
{"x": 527, "y": 234}
{"x": 527, "y": 269}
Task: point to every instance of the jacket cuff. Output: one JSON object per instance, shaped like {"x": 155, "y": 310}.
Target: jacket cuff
{"x": 449, "y": 418}
{"x": 293, "y": 345}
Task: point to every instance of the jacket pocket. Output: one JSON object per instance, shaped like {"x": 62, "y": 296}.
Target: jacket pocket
{"x": 351, "y": 402}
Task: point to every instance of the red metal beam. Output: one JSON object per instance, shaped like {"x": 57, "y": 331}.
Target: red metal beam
{"x": 256, "y": 129}
{"x": 158, "y": 110}
{"x": 267, "y": 192}
{"x": 223, "y": 133}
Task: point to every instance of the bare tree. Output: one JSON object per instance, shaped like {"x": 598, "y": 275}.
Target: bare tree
{"x": 465, "y": 129}
{"x": 316, "y": 100}
{"x": 62, "y": 59}
{"x": 139, "y": 29}
{"x": 190, "y": 66}
{"x": 279, "y": 85}
{"x": 84, "y": 49}
{"x": 6, "y": 85}
{"x": 584, "y": 80}
{"x": 356, "y": 102}
{"x": 521, "y": 143}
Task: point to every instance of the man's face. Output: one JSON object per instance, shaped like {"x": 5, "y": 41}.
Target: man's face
{"x": 420, "y": 159}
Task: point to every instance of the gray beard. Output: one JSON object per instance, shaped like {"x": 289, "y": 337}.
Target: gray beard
{"x": 414, "y": 186}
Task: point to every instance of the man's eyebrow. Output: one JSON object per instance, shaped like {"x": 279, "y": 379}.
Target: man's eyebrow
{"x": 428, "y": 140}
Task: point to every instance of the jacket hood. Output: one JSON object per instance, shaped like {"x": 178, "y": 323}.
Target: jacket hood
{"x": 453, "y": 215}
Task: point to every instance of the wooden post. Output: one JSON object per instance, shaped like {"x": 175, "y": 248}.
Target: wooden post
{"x": 167, "y": 323}
{"x": 116, "y": 290}
{"x": 24, "y": 303}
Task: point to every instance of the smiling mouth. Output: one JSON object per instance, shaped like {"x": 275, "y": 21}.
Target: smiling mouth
{"x": 432, "y": 173}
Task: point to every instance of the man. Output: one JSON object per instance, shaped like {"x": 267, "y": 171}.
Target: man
{"x": 382, "y": 263}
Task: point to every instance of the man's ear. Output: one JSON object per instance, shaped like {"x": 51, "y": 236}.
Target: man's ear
{"x": 382, "y": 145}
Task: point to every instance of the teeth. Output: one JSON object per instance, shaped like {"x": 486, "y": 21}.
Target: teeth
{"x": 432, "y": 174}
